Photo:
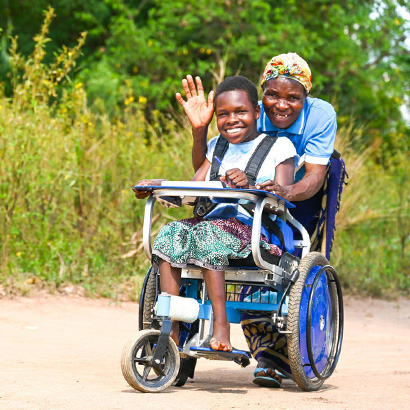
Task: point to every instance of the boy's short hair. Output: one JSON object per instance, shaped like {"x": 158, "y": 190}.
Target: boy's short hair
{"x": 238, "y": 82}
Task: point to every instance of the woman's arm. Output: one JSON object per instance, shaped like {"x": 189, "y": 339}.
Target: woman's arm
{"x": 308, "y": 186}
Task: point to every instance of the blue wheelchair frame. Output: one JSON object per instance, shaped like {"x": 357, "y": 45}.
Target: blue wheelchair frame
{"x": 307, "y": 290}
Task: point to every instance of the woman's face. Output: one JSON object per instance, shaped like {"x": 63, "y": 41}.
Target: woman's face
{"x": 283, "y": 101}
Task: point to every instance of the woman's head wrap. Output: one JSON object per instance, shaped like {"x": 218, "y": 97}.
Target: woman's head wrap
{"x": 289, "y": 65}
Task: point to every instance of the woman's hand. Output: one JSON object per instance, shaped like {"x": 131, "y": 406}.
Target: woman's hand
{"x": 235, "y": 178}
{"x": 198, "y": 111}
{"x": 141, "y": 194}
{"x": 272, "y": 186}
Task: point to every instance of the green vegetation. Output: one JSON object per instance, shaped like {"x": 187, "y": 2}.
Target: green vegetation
{"x": 67, "y": 211}
{"x": 80, "y": 124}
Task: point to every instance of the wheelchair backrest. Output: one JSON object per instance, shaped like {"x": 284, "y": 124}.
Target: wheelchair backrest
{"x": 323, "y": 235}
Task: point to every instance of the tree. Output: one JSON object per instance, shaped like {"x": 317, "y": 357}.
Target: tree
{"x": 357, "y": 48}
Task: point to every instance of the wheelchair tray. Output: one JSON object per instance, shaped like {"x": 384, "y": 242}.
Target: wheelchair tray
{"x": 189, "y": 191}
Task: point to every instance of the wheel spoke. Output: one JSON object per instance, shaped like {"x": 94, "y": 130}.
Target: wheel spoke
{"x": 146, "y": 372}
{"x": 159, "y": 370}
{"x": 148, "y": 348}
{"x": 142, "y": 360}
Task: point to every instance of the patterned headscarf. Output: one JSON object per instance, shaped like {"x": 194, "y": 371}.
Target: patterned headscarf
{"x": 289, "y": 65}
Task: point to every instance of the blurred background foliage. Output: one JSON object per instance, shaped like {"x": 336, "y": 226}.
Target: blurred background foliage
{"x": 87, "y": 108}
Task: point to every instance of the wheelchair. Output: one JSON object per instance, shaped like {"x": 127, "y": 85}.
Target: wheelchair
{"x": 302, "y": 296}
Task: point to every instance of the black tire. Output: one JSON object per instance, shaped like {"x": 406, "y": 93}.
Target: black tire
{"x": 138, "y": 369}
{"x": 311, "y": 366}
{"x": 148, "y": 297}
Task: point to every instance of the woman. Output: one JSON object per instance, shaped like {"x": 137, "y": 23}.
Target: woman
{"x": 310, "y": 123}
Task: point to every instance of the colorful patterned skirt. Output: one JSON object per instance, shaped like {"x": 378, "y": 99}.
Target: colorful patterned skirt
{"x": 207, "y": 243}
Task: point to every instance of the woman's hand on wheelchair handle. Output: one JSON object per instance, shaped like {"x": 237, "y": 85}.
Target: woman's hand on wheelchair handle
{"x": 272, "y": 186}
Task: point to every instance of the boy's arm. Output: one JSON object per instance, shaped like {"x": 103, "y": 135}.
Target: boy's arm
{"x": 141, "y": 194}
{"x": 199, "y": 112}
{"x": 200, "y": 175}
{"x": 285, "y": 171}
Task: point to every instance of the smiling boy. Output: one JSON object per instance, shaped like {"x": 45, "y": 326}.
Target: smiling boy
{"x": 211, "y": 241}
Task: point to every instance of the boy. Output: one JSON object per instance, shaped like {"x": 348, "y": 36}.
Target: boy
{"x": 210, "y": 241}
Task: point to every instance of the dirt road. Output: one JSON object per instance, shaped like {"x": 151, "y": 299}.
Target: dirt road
{"x": 64, "y": 353}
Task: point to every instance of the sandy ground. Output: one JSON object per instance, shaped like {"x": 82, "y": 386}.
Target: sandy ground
{"x": 64, "y": 353}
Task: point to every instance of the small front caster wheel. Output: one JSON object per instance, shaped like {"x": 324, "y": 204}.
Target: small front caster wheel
{"x": 138, "y": 367}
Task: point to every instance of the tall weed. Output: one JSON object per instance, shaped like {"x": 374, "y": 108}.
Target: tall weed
{"x": 67, "y": 211}
{"x": 372, "y": 245}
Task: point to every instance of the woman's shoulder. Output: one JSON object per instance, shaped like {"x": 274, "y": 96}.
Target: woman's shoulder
{"x": 320, "y": 106}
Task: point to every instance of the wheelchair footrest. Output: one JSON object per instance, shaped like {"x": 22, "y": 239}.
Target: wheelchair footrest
{"x": 238, "y": 356}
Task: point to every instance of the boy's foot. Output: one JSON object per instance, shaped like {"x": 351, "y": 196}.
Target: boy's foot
{"x": 221, "y": 338}
{"x": 219, "y": 345}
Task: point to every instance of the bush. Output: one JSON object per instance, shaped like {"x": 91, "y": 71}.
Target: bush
{"x": 68, "y": 213}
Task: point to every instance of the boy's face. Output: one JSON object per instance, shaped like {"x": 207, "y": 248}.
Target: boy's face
{"x": 236, "y": 116}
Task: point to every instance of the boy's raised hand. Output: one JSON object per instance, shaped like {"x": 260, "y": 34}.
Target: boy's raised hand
{"x": 198, "y": 110}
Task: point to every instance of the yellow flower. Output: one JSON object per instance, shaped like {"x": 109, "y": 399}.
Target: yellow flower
{"x": 149, "y": 43}
{"x": 208, "y": 51}
{"x": 18, "y": 254}
{"x": 129, "y": 100}
{"x": 142, "y": 99}
{"x": 78, "y": 85}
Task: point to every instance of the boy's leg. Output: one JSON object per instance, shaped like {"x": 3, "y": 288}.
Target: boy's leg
{"x": 215, "y": 285}
{"x": 170, "y": 279}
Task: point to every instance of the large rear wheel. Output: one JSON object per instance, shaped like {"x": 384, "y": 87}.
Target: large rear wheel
{"x": 315, "y": 320}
